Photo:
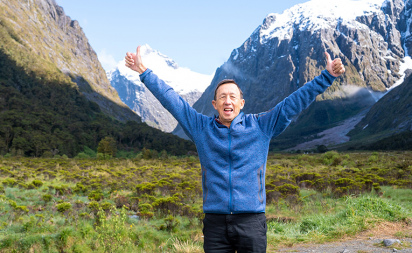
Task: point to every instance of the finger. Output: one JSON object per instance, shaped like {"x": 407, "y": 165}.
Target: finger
{"x": 328, "y": 59}
{"x": 138, "y": 51}
{"x": 339, "y": 70}
{"x": 129, "y": 61}
{"x": 337, "y": 67}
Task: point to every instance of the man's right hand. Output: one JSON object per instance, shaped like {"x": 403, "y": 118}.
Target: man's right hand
{"x": 134, "y": 61}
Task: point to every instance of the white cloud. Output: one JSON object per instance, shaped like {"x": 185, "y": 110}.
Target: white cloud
{"x": 107, "y": 60}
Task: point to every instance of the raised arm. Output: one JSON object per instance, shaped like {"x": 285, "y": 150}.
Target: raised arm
{"x": 190, "y": 120}
{"x": 274, "y": 121}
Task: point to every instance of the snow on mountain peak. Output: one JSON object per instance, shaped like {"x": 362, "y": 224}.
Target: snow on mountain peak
{"x": 182, "y": 80}
{"x": 316, "y": 14}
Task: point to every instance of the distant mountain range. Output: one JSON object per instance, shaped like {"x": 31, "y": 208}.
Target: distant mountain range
{"x": 190, "y": 85}
{"x": 372, "y": 37}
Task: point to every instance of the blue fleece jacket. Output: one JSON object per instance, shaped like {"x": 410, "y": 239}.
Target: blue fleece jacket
{"x": 233, "y": 160}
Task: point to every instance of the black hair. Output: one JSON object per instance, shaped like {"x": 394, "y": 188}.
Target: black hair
{"x": 225, "y": 81}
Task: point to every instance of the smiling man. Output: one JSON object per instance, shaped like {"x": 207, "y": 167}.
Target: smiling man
{"x": 228, "y": 101}
{"x": 233, "y": 149}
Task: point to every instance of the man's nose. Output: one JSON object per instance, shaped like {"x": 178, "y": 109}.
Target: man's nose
{"x": 227, "y": 100}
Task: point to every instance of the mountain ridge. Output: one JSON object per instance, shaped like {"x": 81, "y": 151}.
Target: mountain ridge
{"x": 373, "y": 46}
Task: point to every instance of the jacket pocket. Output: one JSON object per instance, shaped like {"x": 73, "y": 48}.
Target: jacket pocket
{"x": 205, "y": 190}
{"x": 260, "y": 182}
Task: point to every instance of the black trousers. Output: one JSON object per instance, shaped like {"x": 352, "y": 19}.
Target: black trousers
{"x": 228, "y": 233}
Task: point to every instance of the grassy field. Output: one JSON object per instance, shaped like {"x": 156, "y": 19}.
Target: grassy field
{"x": 155, "y": 205}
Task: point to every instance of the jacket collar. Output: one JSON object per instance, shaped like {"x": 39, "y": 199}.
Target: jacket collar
{"x": 238, "y": 119}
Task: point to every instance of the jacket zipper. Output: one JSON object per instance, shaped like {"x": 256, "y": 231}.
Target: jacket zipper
{"x": 230, "y": 174}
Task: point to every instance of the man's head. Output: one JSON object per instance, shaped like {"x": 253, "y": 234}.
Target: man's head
{"x": 228, "y": 101}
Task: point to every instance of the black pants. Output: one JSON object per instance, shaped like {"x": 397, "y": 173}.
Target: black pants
{"x": 227, "y": 233}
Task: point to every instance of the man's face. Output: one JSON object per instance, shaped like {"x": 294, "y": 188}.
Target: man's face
{"x": 228, "y": 103}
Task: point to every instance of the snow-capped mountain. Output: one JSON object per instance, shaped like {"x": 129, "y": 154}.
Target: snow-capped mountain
{"x": 190, "y": 85}
{"x": 372, "y": 37}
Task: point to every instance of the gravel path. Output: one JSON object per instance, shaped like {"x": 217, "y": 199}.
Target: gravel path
{"x": 352, "y": 246}
{"x": 370, "y": 241}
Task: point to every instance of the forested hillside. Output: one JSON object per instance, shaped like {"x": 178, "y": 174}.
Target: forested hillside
{"x": 45, "y": 114}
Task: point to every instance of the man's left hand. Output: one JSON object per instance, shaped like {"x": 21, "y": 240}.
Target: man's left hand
{"x": 335, "y": 67}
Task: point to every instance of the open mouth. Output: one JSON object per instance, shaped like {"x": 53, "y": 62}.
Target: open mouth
{"x": 228, "y": 110}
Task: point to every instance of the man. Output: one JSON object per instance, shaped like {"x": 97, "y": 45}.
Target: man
{"x": 233, "y": 149}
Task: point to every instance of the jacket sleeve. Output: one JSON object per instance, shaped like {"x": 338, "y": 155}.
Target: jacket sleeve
{"x": 190, "y": 120}
{"x": 274, "y": 121}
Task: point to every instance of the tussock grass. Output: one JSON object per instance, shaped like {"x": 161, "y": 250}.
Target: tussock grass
{"x": 56, "y": 205}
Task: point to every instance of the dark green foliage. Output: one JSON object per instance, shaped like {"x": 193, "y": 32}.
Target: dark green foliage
{"x": 96, "y": 195}
{"x": 288, "y": 189}
{"x": 170, "y": 225}
{"x": 35, "y": 184}
{"x": 107, "y": 146}
{"x": 47, "y": 197}
{"x": 80, "y": 188}
{"x": 169, "y": 205}
{"x": 63, "y": 207}
{"x": 42, "y": 116}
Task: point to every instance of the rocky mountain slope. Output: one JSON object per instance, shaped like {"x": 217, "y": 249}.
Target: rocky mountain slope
{"x": 45, "y": 30}
{"x": 390, "y": 115}
{"x": 190, "y": 85}
{"x": 372, "y": 37}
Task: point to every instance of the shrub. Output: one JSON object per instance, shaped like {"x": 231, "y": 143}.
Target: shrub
{"x": 106, "y": 206}
{"x": 288, "y": 189}
{"x": 61, "y": 189}
{"x": 63, "y": 207}
{"x": 307, "y": 176}
{"x": 95, "y": 195}
{"x": 9, "y": 182}
{"x": 376, "y": 187}
{"x": 272, "y": 196}
{"x": 47, "y": 197}
{"x": 168, "y": 205}
{"x": 145, "y": 188}
{"x": 346, "y": 186}
{"x": 35, "y": 184}
{"x": 80, "y": 188}
{"x": 94, "y": 207}
{"x": 121, "y": 201}
{"x": 112, "y": 234}
{"x": 170, "y": 225}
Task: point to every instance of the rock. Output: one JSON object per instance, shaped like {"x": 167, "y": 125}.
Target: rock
{"x": 345, "y": 251}
{"x": 389, "y": 242}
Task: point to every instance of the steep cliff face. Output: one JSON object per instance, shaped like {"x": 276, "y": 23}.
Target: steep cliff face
{"x": 287, "y": 50}
{"x": 390, "y": 115}
{"x": 43, "y": 29}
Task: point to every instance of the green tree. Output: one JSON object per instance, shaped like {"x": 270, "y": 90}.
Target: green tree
{"x": 107, "y": 146}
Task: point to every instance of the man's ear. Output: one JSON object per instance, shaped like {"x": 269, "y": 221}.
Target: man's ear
{"x": 214, "y": 104}
{"x": 242, "y": 104}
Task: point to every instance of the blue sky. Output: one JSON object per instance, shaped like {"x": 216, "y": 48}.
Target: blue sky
{"x": 199, "y": 35}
